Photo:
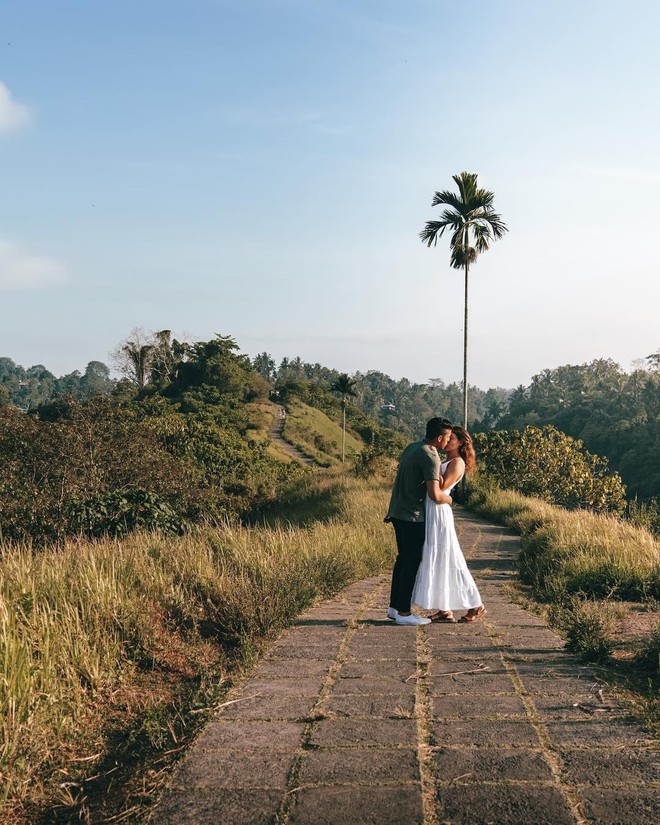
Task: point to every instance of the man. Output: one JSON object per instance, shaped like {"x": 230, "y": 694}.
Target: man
{"x": 418, "y": 476}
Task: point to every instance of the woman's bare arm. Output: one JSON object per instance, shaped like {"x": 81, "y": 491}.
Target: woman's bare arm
{"x": 453, "y": 473}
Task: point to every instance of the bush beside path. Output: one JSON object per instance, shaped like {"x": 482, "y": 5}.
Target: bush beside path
{"x": 350, "y": 719}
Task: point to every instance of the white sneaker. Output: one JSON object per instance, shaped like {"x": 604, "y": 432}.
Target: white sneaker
{"x": 413, "y": 619}
{"x": 392, "y": 613}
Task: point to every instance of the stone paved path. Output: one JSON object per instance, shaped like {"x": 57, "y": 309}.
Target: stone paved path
{"x": 353, "y": 720}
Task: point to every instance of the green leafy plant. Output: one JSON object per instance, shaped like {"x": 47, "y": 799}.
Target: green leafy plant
{"x": 544, "y": 462}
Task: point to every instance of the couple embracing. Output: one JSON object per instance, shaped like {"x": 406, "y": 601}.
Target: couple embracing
{"x": 430, "y": 569}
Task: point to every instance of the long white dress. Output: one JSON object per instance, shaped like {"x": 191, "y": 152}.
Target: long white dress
{"x": 443, "y": 580}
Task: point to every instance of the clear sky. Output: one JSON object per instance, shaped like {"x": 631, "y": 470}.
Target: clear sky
{"x": 262, "y": 169}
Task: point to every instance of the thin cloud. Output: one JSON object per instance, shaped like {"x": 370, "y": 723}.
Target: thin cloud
{"x": 13, "y": 115}
{"x": 20, "y": 269}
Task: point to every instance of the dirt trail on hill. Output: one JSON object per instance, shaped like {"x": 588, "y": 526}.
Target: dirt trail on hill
{"x": 276, "y": 435}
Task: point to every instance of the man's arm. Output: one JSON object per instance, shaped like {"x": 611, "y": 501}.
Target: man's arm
{"x": 435, "y": 493}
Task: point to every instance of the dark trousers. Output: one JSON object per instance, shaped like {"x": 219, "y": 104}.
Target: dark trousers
{"x": 409, "y": 541}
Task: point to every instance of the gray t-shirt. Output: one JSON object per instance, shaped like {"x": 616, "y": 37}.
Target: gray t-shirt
{"x": 418, "y": 464}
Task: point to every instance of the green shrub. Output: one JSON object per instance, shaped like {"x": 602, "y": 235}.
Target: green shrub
{"x": 116, "y": 513}
{"x": 587, "y": 629}
{"x": 545, "y": 463}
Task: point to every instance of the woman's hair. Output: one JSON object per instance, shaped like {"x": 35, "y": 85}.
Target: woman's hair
{"x": 466, "y": 450}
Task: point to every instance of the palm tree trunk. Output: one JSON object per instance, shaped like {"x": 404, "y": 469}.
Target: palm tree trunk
{"x": 343, "y": 434}
{"x": 465, "y": 351}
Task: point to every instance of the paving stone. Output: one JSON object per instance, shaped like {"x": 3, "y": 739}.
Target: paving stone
{"x": 482, "y": 732}
{"x": 589, "y": 734}
{"x": 346, "y": 732}
{"x": 368, "y": 685}
{"x": 491, "y": 765}
{"x": 394, "y": 669}
{"x": 320, "y": 651}
{"x": 473, "y": 658}
{"x": 476, "y": 665}
{"x": 576, "y": 706}
{"x": 391, "y": 706}
{"x": 559, "y": 670}
{"x": 251, "y": 734}
{"x": 549, "y": 658}
{"x": 477, "y": 706}
{"x": 234, "y": 769}
{"x": 381, "y": 653}
{"x": 511, "y": 619}
{"x": 269, "y": 707}
{"x": 619, "y": 806}
{"x": 612, "y": 767}
{"x": 358, "y": 805}
{"x": 316, "y": 627}
{"x": 471, "y": 683}
{"x": 503, "y": 805}
{"x": 313, "y": 636}
{"x": 460, "y": 636}
{"x": 211, "y": 807}
{"x": 292, "y": 668}
{"x": 443, "y": 650}
{"x": 364, "y": 765}
{"x": 556, "y": 685}
{"x": 286, "y": 687}
{"x": 380, "y": 633}
{"x": 399, "y": 638}
{"x": 522, "y": 638}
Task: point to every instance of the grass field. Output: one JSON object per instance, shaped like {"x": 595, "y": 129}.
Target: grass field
{"x": 110, "y": 652}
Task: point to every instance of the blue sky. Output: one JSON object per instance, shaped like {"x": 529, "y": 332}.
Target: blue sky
{"x": 263, "y": 169}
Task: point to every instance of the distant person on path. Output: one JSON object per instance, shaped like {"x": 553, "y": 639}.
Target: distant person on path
{"x": 418, "y": 478}
{"x": 444, "y": 583}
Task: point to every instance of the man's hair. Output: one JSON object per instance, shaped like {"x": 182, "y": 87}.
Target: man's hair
{"x": 436, "y": 426}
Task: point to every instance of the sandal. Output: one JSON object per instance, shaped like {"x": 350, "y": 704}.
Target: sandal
{"x": 443, "y": 616}
{"x": 473, "y": 615}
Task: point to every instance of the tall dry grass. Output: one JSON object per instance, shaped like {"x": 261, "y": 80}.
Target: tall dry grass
{"x": 591, "y": 572}
{"x": 575, "y": 551}
{"x": 77, "y": 622}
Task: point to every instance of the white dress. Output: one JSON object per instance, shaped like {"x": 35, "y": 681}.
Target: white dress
{"x": 443, "y": 580}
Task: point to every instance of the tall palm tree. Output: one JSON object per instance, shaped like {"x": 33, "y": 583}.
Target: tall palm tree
{"x": 473, "y": 224}
{"x": 344, "y": 386}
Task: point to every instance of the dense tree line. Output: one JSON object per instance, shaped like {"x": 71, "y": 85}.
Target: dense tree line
{"x": 28, "y": 388}
{"x": 614, "y": 413}
{"x": 400, "y": 405}
{"x": 163, "y": 452}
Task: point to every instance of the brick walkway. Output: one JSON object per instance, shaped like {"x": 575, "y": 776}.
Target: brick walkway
{"x": 353, "y": 720}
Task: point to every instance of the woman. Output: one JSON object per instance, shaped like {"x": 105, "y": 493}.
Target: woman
{"x": 444, "y": 582}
